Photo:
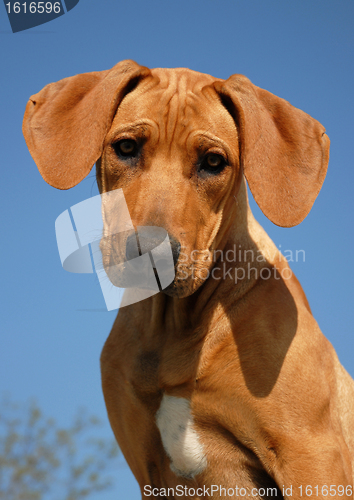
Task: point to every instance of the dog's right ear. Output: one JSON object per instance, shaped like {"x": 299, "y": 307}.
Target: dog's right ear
{"x": 65, "y": 124}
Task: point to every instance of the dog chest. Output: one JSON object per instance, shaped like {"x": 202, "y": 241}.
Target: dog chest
{"x": 179, "y": 437}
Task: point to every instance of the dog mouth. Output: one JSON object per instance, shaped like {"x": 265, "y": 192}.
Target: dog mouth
{"x": 185, "y": 282}
{"x": 150, "y": 259}
{"x": 143, "y": 259}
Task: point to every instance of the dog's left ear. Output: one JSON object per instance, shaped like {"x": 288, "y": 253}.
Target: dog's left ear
{"x": 283, "y": 151}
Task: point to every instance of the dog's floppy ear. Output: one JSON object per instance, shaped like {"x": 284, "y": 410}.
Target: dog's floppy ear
{"x": 283, "y": 151}
{"x": 65, "y": 124}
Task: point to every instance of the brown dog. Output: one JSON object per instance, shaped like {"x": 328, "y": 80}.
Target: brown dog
{"x": 222, "y": 385}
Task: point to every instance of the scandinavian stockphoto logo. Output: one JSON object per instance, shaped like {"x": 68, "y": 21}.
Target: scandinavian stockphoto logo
{"x": 148, "y": 267}
{"x": 24, "y": 15}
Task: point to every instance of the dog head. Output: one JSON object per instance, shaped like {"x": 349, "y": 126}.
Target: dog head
{"x": 178, "y": 143}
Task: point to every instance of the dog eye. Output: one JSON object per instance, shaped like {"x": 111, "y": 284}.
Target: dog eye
{"x": 126, "y": 148}
{"x": 213, "y": 163}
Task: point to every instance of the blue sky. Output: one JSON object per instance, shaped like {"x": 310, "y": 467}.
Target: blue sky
{"x": 53, "y": 323}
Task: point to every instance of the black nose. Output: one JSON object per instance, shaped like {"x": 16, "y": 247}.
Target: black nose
{"x": 131, "y": 247}
{"x": 176, "y": 248}
{"x": 148, "y": 243}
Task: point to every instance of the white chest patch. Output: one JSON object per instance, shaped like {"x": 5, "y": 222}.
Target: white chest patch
{"x": 180, "y": 440}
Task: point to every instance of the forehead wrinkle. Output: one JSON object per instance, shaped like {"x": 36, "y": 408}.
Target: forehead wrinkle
{"x": 180, "y": 95}
{"x": 173, "y": 104}
{"x": 180, "y": 91}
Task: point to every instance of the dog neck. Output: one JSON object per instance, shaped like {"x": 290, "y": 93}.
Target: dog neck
{"x": 241, "y": 252}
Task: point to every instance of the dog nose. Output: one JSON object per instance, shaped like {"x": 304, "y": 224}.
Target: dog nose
{"x": 131, "y": 247}
{"x": 148, "y": 243}
{"x": 175, "y": 247}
